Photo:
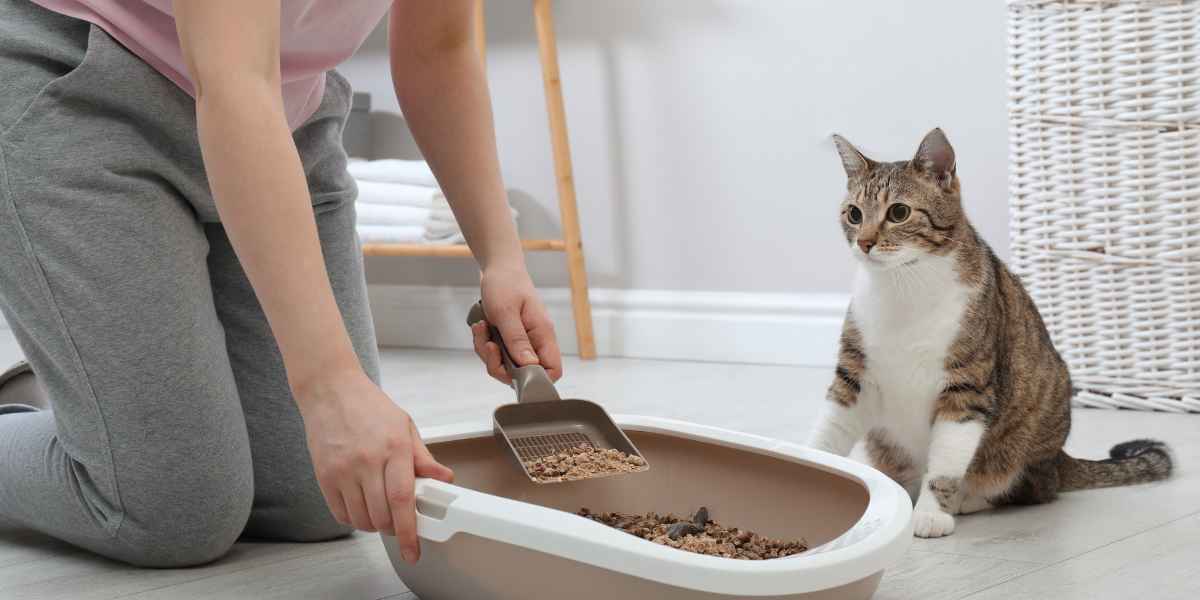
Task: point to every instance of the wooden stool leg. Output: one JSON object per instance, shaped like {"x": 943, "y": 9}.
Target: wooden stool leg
{"x": 548, "y": 51}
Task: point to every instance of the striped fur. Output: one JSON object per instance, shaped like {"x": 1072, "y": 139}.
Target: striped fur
{"x": 946, "y": 372}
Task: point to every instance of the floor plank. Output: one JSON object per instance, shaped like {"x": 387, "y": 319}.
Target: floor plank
{"x": 346, "y": 571}
{"x": 440, "y": 387}
{"x": 65, "y": 572}
{"x": 934, "y": 576}
{"x": 1160, "y": 564}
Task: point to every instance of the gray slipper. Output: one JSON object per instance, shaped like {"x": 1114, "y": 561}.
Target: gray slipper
{"x": 19, "y": 390}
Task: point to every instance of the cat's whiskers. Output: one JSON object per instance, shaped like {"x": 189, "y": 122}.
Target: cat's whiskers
{"x": 945, "y": 239}
{"x": 917, "y": 277}
{"x": 907, "y": 274}
{"x": 904, "y": 280}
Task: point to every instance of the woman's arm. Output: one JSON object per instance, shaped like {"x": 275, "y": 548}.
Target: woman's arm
{"x": 439, "y": 80}
{"x": 257, "y": 181}
{"x": 364, "y": 447}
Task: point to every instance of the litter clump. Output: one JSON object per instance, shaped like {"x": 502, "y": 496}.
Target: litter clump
{"x": 582, "y": 462}
{"x": 699, "y": 534}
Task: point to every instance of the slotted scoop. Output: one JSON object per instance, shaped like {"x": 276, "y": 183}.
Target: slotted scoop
{"x": 541, "y": 423}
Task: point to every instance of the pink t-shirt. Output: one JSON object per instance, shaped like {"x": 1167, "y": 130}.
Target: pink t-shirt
{"x": 315, "y": 36}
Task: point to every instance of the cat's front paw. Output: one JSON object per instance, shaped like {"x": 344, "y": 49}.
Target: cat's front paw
{"x": 932, "y": 524}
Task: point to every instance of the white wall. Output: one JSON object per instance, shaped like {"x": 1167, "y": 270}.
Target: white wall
{"x": 700, "y": 130}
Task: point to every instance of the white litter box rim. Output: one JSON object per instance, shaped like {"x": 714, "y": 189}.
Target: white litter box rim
{"x": 874, "y": 543}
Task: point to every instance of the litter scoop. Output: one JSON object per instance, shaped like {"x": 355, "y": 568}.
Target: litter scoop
{"x": 542, "y": 424}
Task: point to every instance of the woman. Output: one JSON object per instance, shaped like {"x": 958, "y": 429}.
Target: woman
{"x": 179, "y": 263}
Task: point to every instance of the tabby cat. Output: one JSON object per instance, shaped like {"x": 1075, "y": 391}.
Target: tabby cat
{"x": 946, "y": 374}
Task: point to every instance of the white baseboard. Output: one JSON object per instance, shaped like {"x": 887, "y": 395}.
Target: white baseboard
{"x": 785, "y": 329}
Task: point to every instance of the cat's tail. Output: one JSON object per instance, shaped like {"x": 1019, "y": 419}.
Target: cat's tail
{"x": 1136, "y": 461}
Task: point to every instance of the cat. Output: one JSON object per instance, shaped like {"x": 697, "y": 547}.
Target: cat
{"x": 946, "y": 373}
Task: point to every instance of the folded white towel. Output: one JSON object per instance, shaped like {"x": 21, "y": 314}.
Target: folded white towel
{"x": 394, "y": 234}
{"x": 441, "y": 229}
{"x": 414, "y": 172}
{"x": 442, "y": 216}
{"x": 397, "y": 194}
{"x": 441, "y": 210}
{"x": 439, "y": 215}
{"x": 385, "y": 214}
{"x": 406, "y": 234}
{"x": 390, "y": 212}
{"x": 454, "y": 238}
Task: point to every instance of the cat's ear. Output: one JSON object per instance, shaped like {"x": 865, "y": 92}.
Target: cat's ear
{"x": 855, "y": 163}
{"x": 935, "y": 157}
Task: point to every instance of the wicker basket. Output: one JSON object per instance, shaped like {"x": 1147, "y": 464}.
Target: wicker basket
{"x": 1105, "y": 191}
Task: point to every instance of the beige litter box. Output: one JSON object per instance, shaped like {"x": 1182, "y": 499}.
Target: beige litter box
{"x": 496, "y": 535}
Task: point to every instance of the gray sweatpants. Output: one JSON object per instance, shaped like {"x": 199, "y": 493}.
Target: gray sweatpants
{"x": 173, "y": 430}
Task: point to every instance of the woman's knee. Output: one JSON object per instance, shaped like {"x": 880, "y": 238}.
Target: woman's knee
{"x": 189, "y": 517}
{"x": 205, "y": 535}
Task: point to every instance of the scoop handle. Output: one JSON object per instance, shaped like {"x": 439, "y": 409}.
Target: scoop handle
{"x": 531, "y": 382}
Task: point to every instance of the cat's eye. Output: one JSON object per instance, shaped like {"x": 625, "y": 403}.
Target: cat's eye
{"x": 854, "y": 215}
{"x": 898, "y": 213}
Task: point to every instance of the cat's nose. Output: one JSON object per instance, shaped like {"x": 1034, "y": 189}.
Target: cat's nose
{"x": 866, "y": 244}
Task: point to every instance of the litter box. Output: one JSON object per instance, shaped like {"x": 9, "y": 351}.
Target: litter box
{"x": 496, "y": 535}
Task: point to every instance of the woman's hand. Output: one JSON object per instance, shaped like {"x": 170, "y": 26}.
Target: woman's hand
{"x": 366, "y": 453}
{"x": 513, "y": 306}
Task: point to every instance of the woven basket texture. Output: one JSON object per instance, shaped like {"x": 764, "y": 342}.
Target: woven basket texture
{"x": 1104, "y": 124}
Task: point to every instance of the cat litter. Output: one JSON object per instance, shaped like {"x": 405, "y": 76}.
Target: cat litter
{"x": 699, "y": 534}
{"x": 583, "y": 461}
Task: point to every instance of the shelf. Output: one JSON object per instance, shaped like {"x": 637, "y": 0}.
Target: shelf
{"x": 460, "y": 250}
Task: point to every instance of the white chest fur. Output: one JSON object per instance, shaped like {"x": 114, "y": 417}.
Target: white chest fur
{"x": 908, "y": 318}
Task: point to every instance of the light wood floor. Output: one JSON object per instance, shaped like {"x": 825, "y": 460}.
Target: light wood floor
{"x": 1138, "y": 542}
